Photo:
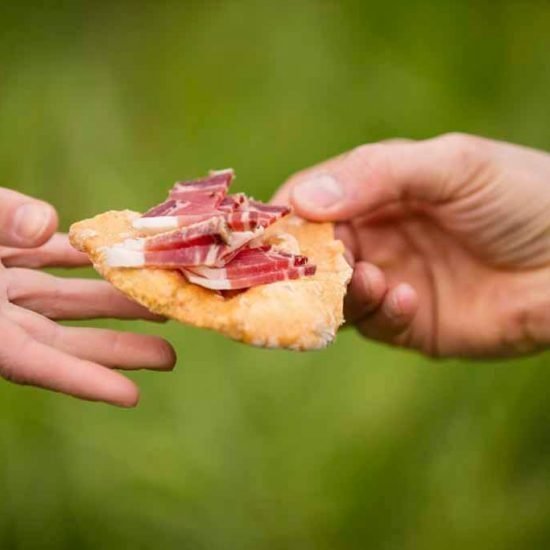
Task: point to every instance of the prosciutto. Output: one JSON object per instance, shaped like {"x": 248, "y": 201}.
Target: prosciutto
{"x": 250, "y": 280}
{"x": 252, "y": 261}
{"x": 234, "y": 202}
{"x": 208, "y": 250}
{"x": 199, "y": 254}
{"x": 191, "y": 202}
{"x": 212, "y": 237}
{"x": 215, "y": 226}
{"x": 194, "y": 200}
{"x": 214, "y": 187}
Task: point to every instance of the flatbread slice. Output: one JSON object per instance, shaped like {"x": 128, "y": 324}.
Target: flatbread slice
{"x": 301, "y": 314}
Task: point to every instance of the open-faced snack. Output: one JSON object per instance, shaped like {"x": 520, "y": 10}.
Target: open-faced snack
{"x": 250, "y": 270}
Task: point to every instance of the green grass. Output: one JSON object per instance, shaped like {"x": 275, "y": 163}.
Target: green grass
{"x": 104, "y": 105}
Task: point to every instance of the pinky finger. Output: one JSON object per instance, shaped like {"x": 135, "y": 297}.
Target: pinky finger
{"x": 365, "y": 292}
{"x": 394, "y": 317}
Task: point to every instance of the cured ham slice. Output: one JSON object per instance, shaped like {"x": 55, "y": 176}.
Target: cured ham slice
{"x": 201, "y": 254}
{"x": 249, "y": 281}
{"x": 216, "y": 226}
{"x": 238, "y": 220}
{"x": 256, "y": 214}
{"x": 209, "y": 254}
{"x": 243, "y": 221}
{"x": 208, "y": 250}
{"x": 215, "y": 185}
{"x": 165, "y": 208}
{"x": 194, "y": 200}
{"x": 269, "y": 210}
{"x": 161, "y": 224}
{"x": 242, "y": 216}
{"x": 234, "y": 202}
{"x": 251, "y": 267}
{"x": 243, "y": 213}
{"x": 213, "y": 238}
{"x": 199, "y": 200}
{"x": 252, "y": 261}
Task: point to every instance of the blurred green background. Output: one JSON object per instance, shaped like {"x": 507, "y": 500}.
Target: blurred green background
{"x": 103, "y": 105}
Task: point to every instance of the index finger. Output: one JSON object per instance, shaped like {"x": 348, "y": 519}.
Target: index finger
{"x": 57, "y": 252}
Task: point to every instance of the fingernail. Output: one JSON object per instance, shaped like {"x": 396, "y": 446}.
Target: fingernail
{"x": 30, "y": 221}
{"x": 402, "y": 299}
{"x": 322, "y": 191}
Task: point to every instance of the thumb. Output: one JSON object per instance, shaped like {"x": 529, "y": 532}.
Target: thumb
{"x": 372, "y": 176}
{"x": 25, "y": 222}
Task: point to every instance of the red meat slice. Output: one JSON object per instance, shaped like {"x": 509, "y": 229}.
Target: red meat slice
{"x": 252, "y": 261}
{"x": 209, "y": 254}
{"x": 211, "y": 237}
{"x": 211, "y": 227}
{"x": 198, "y": 196}
{"x": 165, "y": 208}
{"x": 248, "y": 281}
{"x": 233, "y": 202}
{"x": 215, "y": 185}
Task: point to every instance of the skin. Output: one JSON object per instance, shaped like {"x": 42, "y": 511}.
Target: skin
{"x": 37, "y": 351}
{"x": 449, "y": 237}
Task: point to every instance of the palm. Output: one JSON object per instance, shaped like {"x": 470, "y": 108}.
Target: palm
{"x": 466, "y": 305}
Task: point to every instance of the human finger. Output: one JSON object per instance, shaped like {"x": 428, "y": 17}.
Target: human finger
{"x": 365, "y": 293}
{"x": 376, "y": 175}
{"x": 30, "y": 362}
{"x": 282, "y": 195}
{"x": 345, "y": 233}
{"x": 57, "y": 252}
{"x": 25, "y": 221}
{"x": 70, "y": 299}
{"x": 394, "y": 316}
{"x": 396, "y": 141}
{"x": 115, "y": 349}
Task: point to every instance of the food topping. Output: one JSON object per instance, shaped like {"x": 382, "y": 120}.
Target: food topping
{"x": 214, "y": 239}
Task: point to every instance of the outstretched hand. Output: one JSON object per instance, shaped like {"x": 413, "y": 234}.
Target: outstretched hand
{"x": 450, "y": 238}
{"x": 34, "y": 349}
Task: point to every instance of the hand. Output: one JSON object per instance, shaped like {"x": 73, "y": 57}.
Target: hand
{"x": 37, "y": 351}
{"x": 450, "y": 239}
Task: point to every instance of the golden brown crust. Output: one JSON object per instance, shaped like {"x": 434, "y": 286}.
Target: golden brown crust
{"x": 300, "y": 314}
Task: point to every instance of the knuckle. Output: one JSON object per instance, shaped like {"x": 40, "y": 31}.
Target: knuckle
{"x": 119, "y": 344}
{"x": 466, "y": 149}
{"x": 35, "y": 291}
{"x": 369, "y": 152}
{"x": 457, "y": 139}
{"x": 11, "y": 372}
{"x": 360, "y": 151}
{"x": 18, "y": 284}
{"x": 373, "y": 157}
{"x": 51, "y": 308}
{"x": 397, "y": 141}
{"x": 468, "y": 158}
{"x": 521, "y": 332}
{"x": 11, "y": 367}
